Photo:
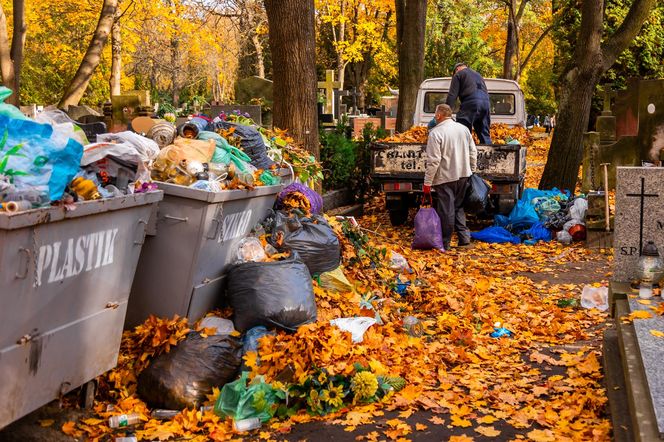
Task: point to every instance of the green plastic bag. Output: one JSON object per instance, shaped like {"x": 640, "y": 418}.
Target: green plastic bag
{"x": 7, "y": 109}
{"x": 241, "y": 401}
{"x": 224, "y": 151}
{"x": 269, "y": 179}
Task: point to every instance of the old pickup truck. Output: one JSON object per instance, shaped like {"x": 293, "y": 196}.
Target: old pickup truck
{"x": 399, "y": 169}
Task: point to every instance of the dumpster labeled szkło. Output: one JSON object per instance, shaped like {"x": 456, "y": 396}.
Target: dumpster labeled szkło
{"x": 68, "y": 253}
{"x": 218, "y": 182}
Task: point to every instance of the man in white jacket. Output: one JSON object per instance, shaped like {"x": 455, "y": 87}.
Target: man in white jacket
{"x": 451, "y": 159}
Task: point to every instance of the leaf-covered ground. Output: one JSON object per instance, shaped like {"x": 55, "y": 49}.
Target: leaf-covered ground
{"x": 543, "y": 384}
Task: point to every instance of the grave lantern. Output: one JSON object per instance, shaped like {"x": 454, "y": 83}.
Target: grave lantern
{"x": 651, "y": 269}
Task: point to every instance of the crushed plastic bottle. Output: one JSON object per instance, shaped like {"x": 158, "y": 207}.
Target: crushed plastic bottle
{"x": 126, "y": 439}
{"x": 500, "y": 331}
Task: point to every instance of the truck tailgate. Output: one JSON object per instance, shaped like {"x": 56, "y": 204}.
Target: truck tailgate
{"x": 499, "y": 162}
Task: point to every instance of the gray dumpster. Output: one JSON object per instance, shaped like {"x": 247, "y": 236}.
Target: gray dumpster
{"x": 182, "y": 267}
{"x": 65, "y": 277}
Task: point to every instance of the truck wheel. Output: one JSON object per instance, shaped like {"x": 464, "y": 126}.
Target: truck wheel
{"x": 398, "y": 217}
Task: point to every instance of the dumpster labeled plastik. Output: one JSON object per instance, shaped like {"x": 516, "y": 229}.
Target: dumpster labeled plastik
{"x": 182, "y": 267}
{"x": 65, "y": 277}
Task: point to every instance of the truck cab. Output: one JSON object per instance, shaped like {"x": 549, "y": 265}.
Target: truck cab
{"x": 508, "y": 104}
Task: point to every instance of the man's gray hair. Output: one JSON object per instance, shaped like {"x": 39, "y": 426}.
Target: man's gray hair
{"x": 444, "y": 110}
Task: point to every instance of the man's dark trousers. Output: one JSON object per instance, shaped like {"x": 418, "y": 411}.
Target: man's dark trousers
{"x": 450, "y": 197}
{"x": 475, "y": 114}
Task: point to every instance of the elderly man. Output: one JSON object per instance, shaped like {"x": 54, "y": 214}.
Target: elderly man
{"x": 475, "y": 112}
{"x": 451, "y": 159}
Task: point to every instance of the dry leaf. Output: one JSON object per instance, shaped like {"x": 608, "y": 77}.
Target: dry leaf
{"x": 488, "y": 431}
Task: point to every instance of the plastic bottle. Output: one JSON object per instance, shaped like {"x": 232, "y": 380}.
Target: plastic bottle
{"x": 164, "y": 414}
{"x": 645, "y": 290}
{"x": 413, "y": 326}
{"x": 245, "y": 425}
{"x": 124, "y": 420}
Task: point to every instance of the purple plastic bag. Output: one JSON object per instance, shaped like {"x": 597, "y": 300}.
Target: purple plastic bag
{"x": 428, "y": 233}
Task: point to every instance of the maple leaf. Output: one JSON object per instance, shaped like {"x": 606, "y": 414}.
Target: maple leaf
{"x": 421, "y": 427}
{"x": 458, "y": 421}
{"x": 639, "y": 314}
{"x": 487, "y": 431}
{"x": 69, "y": 428}
{"x": 92, "y": 421}
{"x": 657, "y": 333}
{"x": 461, "y": 438}
{"x": 659, "y": 310}
{"x": 437, "y": 421}
{"x": 541, "y": 436}
{"x": 589, "y": 365}
{"x": 46, "y": 422}
{"x": 488, "y": 419}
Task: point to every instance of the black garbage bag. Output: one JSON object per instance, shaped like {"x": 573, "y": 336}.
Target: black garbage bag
{"x": 477, "y": 195}
{"x": 311, "y": 237}
{"x": 274, "y": 294}
{"x": 251, "y": 143}
{"x": 184, "y": 376}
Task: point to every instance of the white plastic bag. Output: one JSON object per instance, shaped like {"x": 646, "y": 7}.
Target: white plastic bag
{"x": 578, "y": 210}
{"x": 595, "y": 297}
{"x": 146, "y": 149}
{"x": 398, "y": 262}
{"x": 222, "y": 326}
{"x": 356, "y": 326}
{"x": 564, "y": 237}
{"x": 250, "y": 250}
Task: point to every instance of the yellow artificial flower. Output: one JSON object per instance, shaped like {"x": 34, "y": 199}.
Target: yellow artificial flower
{"x": 364, "y": 385}
{"x": 333, "y": 396}
{"x": 322, "y": 378}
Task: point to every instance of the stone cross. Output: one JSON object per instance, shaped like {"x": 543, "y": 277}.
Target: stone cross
{"x": 383, "y": 114}
{"x": 639, "y": 217}
{"x": 329, "y": 85}
{"x": 337, "y": 102}
{"x": 609, "y": 94}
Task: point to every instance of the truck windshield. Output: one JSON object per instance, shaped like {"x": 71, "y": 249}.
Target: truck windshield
{"x": 501, "y": 103}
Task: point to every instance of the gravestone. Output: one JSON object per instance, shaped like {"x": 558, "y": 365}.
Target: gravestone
{"x": 254, "y": 87}
{"x": 638, "y": 118}
{"x": 124, "y": 108}
{"x": 639, "y": 217}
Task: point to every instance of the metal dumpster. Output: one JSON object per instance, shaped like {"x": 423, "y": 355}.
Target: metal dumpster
{"x": 65, "y": 277}
{"x": 182, "y": 267}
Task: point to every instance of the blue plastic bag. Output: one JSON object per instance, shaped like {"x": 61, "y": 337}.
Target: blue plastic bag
{"x": 428, "y": 232}
{"x": 522, "y": 217}
{"x": 33, "y": 157}
{"x": 537, "y": 233}
{"x": 495, "y": 235}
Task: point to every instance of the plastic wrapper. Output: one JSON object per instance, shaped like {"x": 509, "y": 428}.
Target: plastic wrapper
{"x": 274, "y": 294}
{"x": 356, "y": 326}
{"x": 222, "y": 326}
{"x": 183, "y": 377}
{"x": 595, "y": 297}
{"x": 335, "y": 281}
{"x": 477, "y": 195}
{"x": 564, "y": 237}
{"x": 63, "y": 125}
{"x": 145, "y": 148}
{"x": 428, "y": 233}
{"x": 188, "y": 150}
{"x": 578, "y": 209}
{"x": 250, "y": 250}
{"x": 398, "y": 262}
{"x": 311, "y": 238}
{"x": 241, "y": 400}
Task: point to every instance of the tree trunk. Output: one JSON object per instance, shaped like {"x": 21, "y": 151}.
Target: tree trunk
{"x": 511, "y": 47}
{"x": 79, "y": 83}
{"x": 293, "y": 43}
{"x": 116, "y": 57}
{"x": 591, "y": 60}
{"x": 175, "y": 70}
{"x": 6, "y": 65}
{"x": 260, "y": 59}
{"x": 411, "y": 24}
{"x": 18, "y": 43}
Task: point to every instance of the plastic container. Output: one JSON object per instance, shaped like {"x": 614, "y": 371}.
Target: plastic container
{"x": 183, "y": 265}
{"x": 413, "y": 326}
{"x": 124, "y": 420}
{"x": 244, "y": 425}
{"x": 65, "y": 278}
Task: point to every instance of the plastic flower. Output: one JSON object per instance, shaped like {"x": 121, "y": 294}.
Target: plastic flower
{"x": 322, "y": 378}
{"x": 313, "y": 400}
{"x": 333, "y": 396}
{"x": 364, "y": 385}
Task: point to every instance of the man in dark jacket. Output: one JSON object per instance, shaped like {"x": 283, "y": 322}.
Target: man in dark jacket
{"x": 469, "y": 86}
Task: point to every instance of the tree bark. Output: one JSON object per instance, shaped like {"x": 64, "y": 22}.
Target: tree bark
{"x": 511, "y": 46}
{"x": 6, "y": 65}
{"x": 260, "y": 59}
{"x": 18, "y": 43}
{"x": 411, "y": 24}
{"x": 591, "y": 60}
{"x": 116, "y": 57}
{"x": 293, "y": 43}
{"x": 81, "y": 80}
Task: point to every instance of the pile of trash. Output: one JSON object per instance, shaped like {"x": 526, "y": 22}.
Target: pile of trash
{"x": 43, "y": 161}
{"x": 540, "y": 215}
{"x": 500, "y": 134}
